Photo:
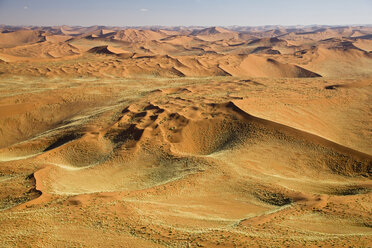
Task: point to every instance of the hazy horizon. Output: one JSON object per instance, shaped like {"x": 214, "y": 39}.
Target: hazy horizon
{"x": 185, "y": 13}
{"x": 190, "y": 26}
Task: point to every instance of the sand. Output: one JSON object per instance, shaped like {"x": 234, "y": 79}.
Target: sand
{"x": 185, "y": 137}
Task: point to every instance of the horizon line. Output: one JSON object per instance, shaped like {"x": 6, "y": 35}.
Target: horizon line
{"x": 190, "y": 26}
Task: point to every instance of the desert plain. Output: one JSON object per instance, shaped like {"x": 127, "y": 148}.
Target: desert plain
{"x": 186, "y": 137}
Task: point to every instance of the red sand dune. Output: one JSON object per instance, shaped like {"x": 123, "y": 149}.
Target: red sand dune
{"x": 185, "y": 137}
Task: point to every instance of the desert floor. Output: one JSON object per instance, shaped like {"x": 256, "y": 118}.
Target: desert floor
{"x": 103, "y": 149}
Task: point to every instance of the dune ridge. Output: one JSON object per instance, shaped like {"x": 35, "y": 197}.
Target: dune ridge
{"x": 313, "y": 51}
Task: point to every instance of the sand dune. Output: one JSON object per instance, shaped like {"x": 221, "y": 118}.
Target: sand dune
{"x": 365, "y": 45}
{"x": 255, "y": 66}
{"x": 43, "y": 50}
{"x": 340, "y": 62}
{"x": 19, "y": 37}
{"x": 57, "y": 38}
{"x": 267, "y": 42}
{"x": 185, "y": 137}
{"x": 106, "y": 50}
{"x": 282, "y": 52}
{"x": 133, "y": 35}
{"x": 133, "y": 64}
{"x": 210, "y": 31}
{"x": 76, "y": 31}
{"x": 182, "y": 135}
{"x": 214, "y": 34}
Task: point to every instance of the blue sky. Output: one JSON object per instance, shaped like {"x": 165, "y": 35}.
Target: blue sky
{"x": 185, "y": 12}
